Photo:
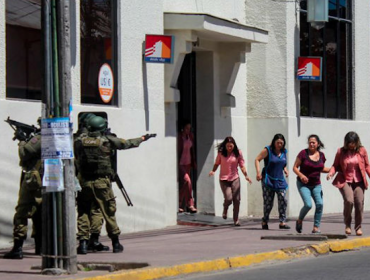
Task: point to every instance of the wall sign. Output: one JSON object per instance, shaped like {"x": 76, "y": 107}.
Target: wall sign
{"x": 309, "y": 69}
{"x": 106, "y": 83}
{"x": 159, "y": 48}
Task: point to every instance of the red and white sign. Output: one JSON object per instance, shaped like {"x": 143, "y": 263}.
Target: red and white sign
{"x": 106, "y": 83}
{"x": 159, "y": 48}
{"x": 309, "y": 68}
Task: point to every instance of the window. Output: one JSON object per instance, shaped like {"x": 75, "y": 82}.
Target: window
{"x": 98, "y": 46}
{"x": 24, "y": 64}
{"x": 332, "y": 97}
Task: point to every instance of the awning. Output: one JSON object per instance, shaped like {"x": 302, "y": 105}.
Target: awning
{"x": 26, "y": 13}
{"x": 214, "y": 28}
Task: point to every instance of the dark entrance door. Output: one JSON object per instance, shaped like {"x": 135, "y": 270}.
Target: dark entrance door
{"x": 186, "y": 110}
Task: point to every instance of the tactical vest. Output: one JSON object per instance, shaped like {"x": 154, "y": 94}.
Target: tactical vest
{"x": 95, "y": 157}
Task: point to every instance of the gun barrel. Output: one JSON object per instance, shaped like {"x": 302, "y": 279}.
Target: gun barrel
{"x": 123, "y": 190}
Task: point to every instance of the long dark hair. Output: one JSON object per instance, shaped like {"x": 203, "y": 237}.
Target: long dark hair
{"x": 184, "y": 123}
{"x": 352, "y": 137}
{"x": 222, "y": 147}
{"x": 278, "y": 136}
{"x": 321, "y": 144}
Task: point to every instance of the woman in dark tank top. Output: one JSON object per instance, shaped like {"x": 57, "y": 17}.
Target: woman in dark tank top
{"x": 309, "y": 164}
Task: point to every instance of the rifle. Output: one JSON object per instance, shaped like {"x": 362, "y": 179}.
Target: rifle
{"x": 23, "y": 131}
{"x": 122, "y": 188}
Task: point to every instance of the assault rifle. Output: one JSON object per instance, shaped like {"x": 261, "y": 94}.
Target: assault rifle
{"x": 23, "y": 131}
{"x": 118, "y": 181}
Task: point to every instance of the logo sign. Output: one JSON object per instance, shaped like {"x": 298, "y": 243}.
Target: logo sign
{"x": 159, "y": 48}
{"x": 309, "y": 69}
{"x": 106, "y": 83}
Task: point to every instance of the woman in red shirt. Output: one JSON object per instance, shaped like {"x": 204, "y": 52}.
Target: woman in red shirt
{"x": 352, "y": 164}
{"x": 230, "y": 157}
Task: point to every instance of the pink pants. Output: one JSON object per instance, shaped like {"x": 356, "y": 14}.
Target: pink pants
{"x": 185, "y": 186}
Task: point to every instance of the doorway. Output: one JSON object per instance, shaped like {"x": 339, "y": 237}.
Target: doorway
{"x": 186, "y": 109}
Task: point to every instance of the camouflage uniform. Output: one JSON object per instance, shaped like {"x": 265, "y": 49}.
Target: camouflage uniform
{"x": 94, "y": 160}
{"x": 29, "y": 196}
{"x": 96, "y": 218}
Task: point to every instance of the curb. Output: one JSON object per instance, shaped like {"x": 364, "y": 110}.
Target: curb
{"x": 238, "y": 261}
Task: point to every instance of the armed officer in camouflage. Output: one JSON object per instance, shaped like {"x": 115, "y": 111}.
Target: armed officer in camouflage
{"x": 93, "y": 152}
{"x": 96, "y": 217}
{"x": 30, "y": 196}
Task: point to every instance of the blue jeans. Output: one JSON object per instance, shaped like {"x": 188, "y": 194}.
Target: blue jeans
{"x": 306, "y": 193}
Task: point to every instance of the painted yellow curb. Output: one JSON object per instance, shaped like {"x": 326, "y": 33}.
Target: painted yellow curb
{"x": 345, "y": 245}
{"x": 153, "y": 273}
{"x": 234, "y": 262}
{"x": 248, "y": 260}
{"x": 322, "y": 248}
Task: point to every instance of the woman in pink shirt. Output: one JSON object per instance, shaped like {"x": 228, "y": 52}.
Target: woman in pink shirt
{"x": 352, "y": 164}
{"x": 230, "y": 157}
{"x": 186, "y": 154}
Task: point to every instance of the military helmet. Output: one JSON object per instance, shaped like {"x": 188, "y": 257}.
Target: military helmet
{"x": 83, "y": 118}
{"x": 97, "y": 123}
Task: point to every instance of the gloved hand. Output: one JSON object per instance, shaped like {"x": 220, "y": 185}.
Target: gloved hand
{"x": 19, "y": 135}
{"x": 147, "y": 136}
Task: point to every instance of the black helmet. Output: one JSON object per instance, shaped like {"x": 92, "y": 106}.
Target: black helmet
{"x": 97, "y": 123}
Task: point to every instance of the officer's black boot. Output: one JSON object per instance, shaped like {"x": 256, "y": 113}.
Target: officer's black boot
{"x": 38, "y": 244}
{"x": 117, "y": 247}
{"x": 16, "y": 252}
{"x": 95, "y": 245}
{"x": 82, "y": 249}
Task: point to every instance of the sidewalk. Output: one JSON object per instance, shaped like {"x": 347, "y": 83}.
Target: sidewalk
{"x": 206, "y": 243}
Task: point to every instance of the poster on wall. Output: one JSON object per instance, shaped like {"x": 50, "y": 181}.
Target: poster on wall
{"x": 159, "y": 48}
{"x": 309, "y": 69}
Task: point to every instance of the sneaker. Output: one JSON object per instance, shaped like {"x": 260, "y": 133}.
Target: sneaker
{"x": 284, "y": 226}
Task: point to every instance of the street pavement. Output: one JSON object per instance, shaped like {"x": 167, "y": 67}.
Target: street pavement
{"x": 199, "y": 243}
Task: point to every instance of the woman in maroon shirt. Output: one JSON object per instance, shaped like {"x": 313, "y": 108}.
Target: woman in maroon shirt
{"x": 352, "y": 164}
{"x": 308, "y": 167}
{"x": 186, "y": 162}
